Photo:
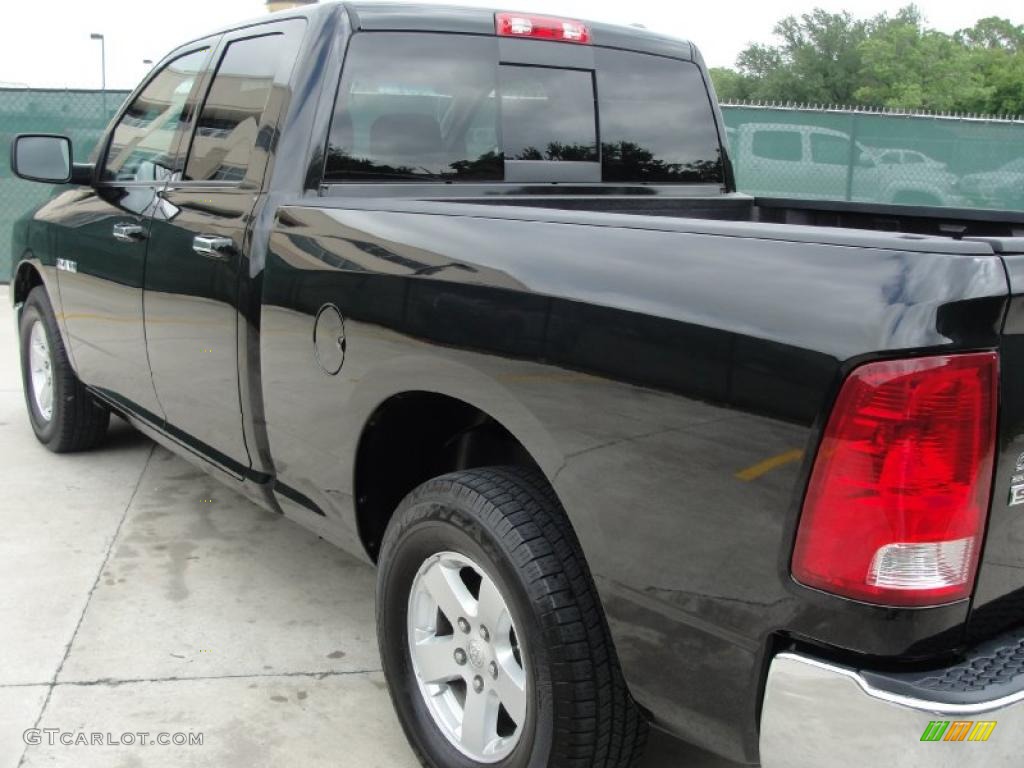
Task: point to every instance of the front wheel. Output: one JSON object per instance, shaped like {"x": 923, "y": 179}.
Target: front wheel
{"x": 491, "y": 634}
{"x": 64, "y": 416}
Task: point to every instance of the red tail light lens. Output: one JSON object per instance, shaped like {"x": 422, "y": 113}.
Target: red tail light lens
{"x": 898, "y": 496}
{"x": 541, "y": 27}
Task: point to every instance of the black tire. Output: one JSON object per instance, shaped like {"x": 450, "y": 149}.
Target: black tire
{"x": 508, "y": 519}
{"x": 78, "y": 421}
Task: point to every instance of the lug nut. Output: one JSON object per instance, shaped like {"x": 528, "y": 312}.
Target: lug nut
{"x": 463, "y": 625}
{"x": 460, "y": 656}
{"x": 493, "y": 670}
{"x": 485, "y": 634}
{"x": 478, "y": 684}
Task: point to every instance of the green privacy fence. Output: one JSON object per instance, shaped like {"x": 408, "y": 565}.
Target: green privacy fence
{"x": 789, "y": 151}
{"x": 874, "y": 156}
{"x": 82, "y": 115}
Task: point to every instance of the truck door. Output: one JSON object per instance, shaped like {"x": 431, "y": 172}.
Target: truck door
{"x": 199, "y": 241}
{"x": 106, "y": 236}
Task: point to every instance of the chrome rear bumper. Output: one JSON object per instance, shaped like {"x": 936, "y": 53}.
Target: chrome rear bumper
{"x": 819, "y": 715}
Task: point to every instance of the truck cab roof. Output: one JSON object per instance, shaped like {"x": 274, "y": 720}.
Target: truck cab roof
{"x": 428, "y": 17}
{"x": 446, "y": 18}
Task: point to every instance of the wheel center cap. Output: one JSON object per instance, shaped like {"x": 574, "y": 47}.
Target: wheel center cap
{"x": 476, "y": 654}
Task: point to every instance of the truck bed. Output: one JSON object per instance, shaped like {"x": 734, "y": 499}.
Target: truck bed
{"x": 697, "y": 202}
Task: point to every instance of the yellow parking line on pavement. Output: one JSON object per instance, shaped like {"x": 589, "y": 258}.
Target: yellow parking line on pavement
{"x": 763, "y": 467}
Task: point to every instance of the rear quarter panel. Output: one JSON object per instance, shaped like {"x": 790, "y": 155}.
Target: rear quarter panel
{"x": 669, "y": 378}
{"x": 999, "y": 595}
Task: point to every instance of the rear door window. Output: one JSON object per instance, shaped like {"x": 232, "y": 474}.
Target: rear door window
{"x": 229, "y": 123}
{"x": 548, "y": 114}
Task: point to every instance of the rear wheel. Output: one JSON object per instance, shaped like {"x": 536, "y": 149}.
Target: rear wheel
{"x": 491, "y": 634}
{"x": 64, "y": 416}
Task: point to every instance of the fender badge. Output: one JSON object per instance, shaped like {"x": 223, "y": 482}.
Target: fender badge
{"x": 1016, "y": 495}
{"x": 1017, "y": 484}
{"x": 67, "y": 265}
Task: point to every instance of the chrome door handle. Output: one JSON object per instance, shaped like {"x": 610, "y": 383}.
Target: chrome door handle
{"x": 129, "y": 233}
{"x": 213, "y": 247}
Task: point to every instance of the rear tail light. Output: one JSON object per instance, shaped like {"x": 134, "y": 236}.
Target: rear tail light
{"x": 541, "y": 27}
{"x": 898, "y": 496}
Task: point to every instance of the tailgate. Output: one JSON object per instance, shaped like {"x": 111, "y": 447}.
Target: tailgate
{"x": 999, "y": 594}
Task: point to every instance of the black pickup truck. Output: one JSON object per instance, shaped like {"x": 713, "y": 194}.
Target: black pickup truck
{"x": 472, "y": 295}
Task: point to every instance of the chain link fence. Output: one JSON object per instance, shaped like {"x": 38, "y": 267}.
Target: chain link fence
{"x": 786, "y": 151}
{"x": 82, "y": 115}
{"x": 835, "y": 153}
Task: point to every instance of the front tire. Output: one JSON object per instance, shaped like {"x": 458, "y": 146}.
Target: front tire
{"x": 64, "y": 416}
{"x": 491, "y": 634}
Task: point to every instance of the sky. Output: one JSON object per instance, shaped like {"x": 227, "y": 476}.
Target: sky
{"x": 45, "y": 43}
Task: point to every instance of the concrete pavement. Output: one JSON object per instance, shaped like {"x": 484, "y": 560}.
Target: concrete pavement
{"x": 140, "y": 595}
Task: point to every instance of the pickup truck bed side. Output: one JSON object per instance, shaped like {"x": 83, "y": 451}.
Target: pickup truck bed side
{"x": 674, "y": 414}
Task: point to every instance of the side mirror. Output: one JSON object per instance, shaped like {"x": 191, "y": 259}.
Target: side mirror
{"x": 42, "y": 157}
{"x": 864, "y": 160}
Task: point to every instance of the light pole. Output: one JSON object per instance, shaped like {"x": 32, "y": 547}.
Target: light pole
{"x": 103, "y": 68}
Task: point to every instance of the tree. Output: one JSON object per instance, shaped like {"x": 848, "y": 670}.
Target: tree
{"x": 995, "y": 49}
{"x": 905, "y": 65}
{"x": 888, "y": 60}
{"x": 993, "y": 33}
{"x": 1005, "y": 85}
{"x": 730, "y": 85}
{"x": 817, "y": 60}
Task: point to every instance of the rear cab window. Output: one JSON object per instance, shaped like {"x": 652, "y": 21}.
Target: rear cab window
{"x": 547, "y": 114}
{"x": 656, "y": 118}
{"x": 417, "y": 106}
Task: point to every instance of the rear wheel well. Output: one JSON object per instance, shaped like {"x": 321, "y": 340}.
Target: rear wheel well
{"x": 414, "y": 436}
{"x": 28, "y": 277}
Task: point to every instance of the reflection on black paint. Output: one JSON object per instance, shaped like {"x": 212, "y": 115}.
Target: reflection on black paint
{"x": 658, "y": 376}
{"x": 721, "y": 367}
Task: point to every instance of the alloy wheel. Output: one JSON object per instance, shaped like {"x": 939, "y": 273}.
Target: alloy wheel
{"x": 467, "y": 657}
{"x": 41, "y": 370}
